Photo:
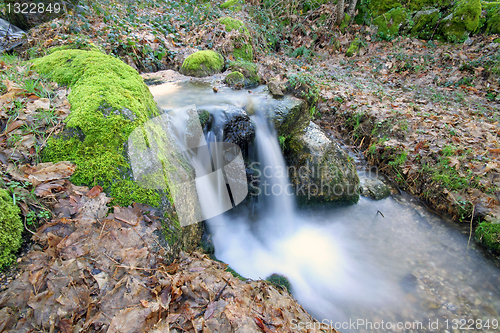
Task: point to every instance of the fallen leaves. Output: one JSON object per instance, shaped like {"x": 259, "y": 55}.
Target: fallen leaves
{"x": 106, "y": 274}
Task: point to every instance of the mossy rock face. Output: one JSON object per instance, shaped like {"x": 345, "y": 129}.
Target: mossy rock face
{"x": 242, "y": 47}
{"x": 425, "y": 23}
{"x": 378, "y": 8}
{"x": 461, "y": 21}
{"x": 248, "y": 70}
{"x": 280, "y": 281}
{"x": 492, "y": 24}
{"x": 203, "y": 63}
{"x": 389, "y": 23}
{"x": 235, "y": 80}
{"x": 234, "y": 5}
{"x": 489, "y": 235}
{"x": 417, "y": 5}
{"x": 11, "y": 229}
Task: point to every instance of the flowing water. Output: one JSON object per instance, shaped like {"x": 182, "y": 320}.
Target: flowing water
{"x": 376, "y": 266}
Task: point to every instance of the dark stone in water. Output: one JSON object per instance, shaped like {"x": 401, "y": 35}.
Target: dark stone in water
{"x": 409, "y": 283}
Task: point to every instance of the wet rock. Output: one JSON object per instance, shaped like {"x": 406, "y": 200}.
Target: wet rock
{"x": 320, "y": 170}
{"x": 374, "y": 188}
{"x": 276, "y": 89}
{"x": 238, "y": 128}
{"x": 290, "y": 116}
{"x": 15, "y": 36}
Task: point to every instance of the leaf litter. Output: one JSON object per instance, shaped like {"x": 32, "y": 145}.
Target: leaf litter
{"x": 102, "y": 271}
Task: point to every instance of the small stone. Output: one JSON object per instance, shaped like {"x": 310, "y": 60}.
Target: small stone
{"x": 275, "y": 88}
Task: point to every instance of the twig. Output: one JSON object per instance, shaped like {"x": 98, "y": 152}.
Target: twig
{"x": 470, "y": 228}
{"x": 215, "y": 300}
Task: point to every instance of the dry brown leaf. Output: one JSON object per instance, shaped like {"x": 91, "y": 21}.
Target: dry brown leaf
{"x": 50, "y": 171}
{"x": 94, "y": 192}
{"x": 42, "y": 103}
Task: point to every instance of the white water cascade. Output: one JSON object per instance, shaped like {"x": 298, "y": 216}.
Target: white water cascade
{"x": 320, "y": 265}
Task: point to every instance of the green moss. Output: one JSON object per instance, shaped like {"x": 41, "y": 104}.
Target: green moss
{"x": 248, "y": 70}
{"x": 489, "y": 235}
{"x": 463, "y": 19}
{"x": 353, "y": 48}
{"x": 345, "y": 22}
{"x": 425, "y": 23}
{"x": 234, "y": 79}
{"x": 390, "y": 22}
{"x": 492, "y": 17}
{"x": 234, "y": 5}
{"x": 126, "y": 192}
{"x": 415, "y": 5}
{"x": 108, "y": 100}
{"x": 203, "y": 63}
{"x": 233, "y": 24}
{"x": 280, "y": 281}
{"x": 242, "y": 48}
{"x": 11, "y": 229}
{"x": 378, "y": 8}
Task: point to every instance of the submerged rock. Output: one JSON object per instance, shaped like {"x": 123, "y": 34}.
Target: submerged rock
{"x": 374, "y": 188}
{"x": 320, "y": 170}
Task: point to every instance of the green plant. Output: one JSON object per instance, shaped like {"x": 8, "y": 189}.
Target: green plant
{"x": 33, "y": 218}
{"x": 306, "y": 86}
{"x": 282, "y": 141}
{"x": 280, "y": 281}
{"x": 11, "y": 229}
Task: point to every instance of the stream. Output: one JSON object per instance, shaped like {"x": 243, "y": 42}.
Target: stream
{"x": 375, "y": 266}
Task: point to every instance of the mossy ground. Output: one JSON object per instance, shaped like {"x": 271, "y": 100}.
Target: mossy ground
{"x": 108, "y": 100}
{"x": 11, "y": 229}
{"x": 489, "y": 234}
{"x": 353, "y": 48}
{"x": 234, "y": 5}
{"x": 202, "y": 63}
{"x": 242, "y": 48}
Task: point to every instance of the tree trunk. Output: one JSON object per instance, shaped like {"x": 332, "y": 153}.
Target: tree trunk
{"x": 340, "y": 11}
{"x": 352, "y": 8}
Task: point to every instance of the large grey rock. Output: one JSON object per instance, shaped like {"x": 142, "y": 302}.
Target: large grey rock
{"x": 290, "y": 116}
{"x": 320, "y": 170}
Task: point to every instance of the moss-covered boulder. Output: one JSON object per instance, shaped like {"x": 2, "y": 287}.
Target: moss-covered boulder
{"x": 235, "y": 80}
{"x": 425, "y": 23}
{"x": 417, "y": 5}
{"x": 11, "y": 229}
{"x": 203, "y": 63}
{"x": 234, "y": 5}
{"x": 389, "y": 23}
{"x": 492, "y": 19}
{"x": 109, "y": 100}
{"x": 248, "y": 70}
{"x": 242, "y": 42}
{"x": 378, "y": 8}
{"x": 461, "y": 21}
{"x": 321, "y": 171}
